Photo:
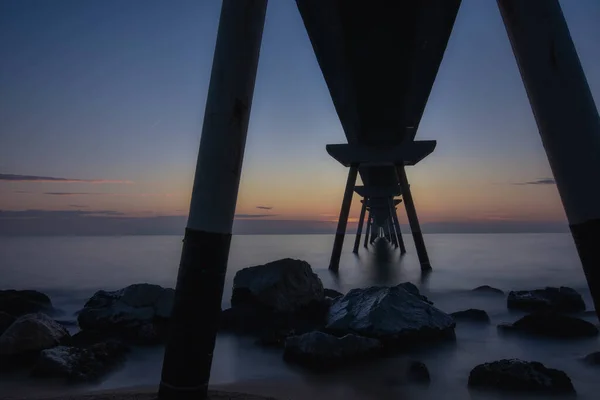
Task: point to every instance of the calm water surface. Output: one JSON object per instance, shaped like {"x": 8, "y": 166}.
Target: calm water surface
{"x": 71, "y": 269}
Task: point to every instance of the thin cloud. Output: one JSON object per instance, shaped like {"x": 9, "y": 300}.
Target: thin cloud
{"x": 543, "y": 181}
{"x": 254, "y": 215}
{"x": 36, "y": 178}
{"x": 28, "y": 214}
{"x": 108, "y": 194}
{"x": 264, "y": 207}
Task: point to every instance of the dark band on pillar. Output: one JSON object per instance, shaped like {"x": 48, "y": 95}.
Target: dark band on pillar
{"x": 195, "y": 316}
{"x": 587, "y": 241}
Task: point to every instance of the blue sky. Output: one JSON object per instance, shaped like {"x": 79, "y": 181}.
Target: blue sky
{"x": 96, "y": 91}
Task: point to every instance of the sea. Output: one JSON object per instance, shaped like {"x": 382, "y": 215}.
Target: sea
{"x": 71, "y": 269}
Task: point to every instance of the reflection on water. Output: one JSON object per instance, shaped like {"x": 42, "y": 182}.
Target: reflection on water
{"x": 71, "y": 269}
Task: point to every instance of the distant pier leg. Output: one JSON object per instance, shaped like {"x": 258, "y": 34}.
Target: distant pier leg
{"x": 368, "y": 232}
{"x": 397, "y": 226}
{"x": 338, "y": 243}
{"x": 413, "y": 220}
{"x": 566, "y": 116}
{"x": 197, "y": 304}
{"x": 361, "y": 221}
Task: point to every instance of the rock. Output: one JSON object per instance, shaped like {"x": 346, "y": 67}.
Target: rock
{"x": 5, "y": 321}
{"x": 418, "y": 372}
{"x": 471, "y": 314}
{"x": 285, "y": 285}
{"x": 318, "y": 350}
{"x": 332, "y": 294}
{"x": 411, "y": 288}
{"x": 392, "y": 314}
{"x": 77, "y": 364}
{"x": 21, "y": 302}
{"x": 553, "y": 325}
{"x": 138, "y": 313}
{"x": 31, "y": 333}
{"x": 518, "y": 375}
{"x": 592, "y": 358}
{"x": 488, "y": 289}
{"x": 88, "y": 338}
{"x": 561, "y": 299}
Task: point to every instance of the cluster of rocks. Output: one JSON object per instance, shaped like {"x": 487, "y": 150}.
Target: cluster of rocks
{"x": 284, "y": 304}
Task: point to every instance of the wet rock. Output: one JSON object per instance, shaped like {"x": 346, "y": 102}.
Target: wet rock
{"x": 418, "y": 372}
{"x": 592, "y": 358}
{"x": 561, "y": 299}
{"x": 21, "y": 302}
{"x": 285, "y": 285}
{"x": 30, "y": 334}
{"x": 553, "y": 325}
{"x": 332, "y": 294}
{"x": 518, "y": 375}
{"x": 488, "y": 289}
{"x": 138, "y": 313}
{"x": 471, "y": 314}
{"x": 412, "y": 288}
{"x": 318, "y": 350}
{"x": 76, "y": 364}
{"x": 394, "y": 315}
{"x": 5, "y": 321}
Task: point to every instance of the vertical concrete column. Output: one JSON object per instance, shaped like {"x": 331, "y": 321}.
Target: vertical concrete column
{"x": 361, "y": 220}
{"x": 566, "y": 116}
{"x": 397, "y": 226}
{"x": 368, "y": 232}
{"x": 338, "y": 243}
{"x": 197, "y": 304}
{"x": 413, "y": 220}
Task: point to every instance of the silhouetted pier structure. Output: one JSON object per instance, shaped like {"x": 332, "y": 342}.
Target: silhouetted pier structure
{"x": 379, "y": 60}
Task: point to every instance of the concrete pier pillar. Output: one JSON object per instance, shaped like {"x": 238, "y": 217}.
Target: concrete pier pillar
{"x": 566, "y": 116}
{"x": 361, "y": 221}
{"x": 368, "y": 232}
{"x": 397, "y": 227}
{"x": 413, "y": 220}
{"x": 197, "y": 304}
{"x": 338, "y": 243}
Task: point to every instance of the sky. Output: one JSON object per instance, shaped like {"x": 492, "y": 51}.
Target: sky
{"x": 101, "y": 108}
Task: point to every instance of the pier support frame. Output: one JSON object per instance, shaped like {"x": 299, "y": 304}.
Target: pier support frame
{"x": 197, "y": 304}
{"x": 338, "y": 243}
{"x": 397, "y": 227}
{"x": 368, "y": 232}
{"x": 360, "y": 226}
{"x": 566, "y": 116}
{"x": 413, "y": 220}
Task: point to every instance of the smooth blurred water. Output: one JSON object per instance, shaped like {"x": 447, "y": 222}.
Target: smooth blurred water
{"x": 71, "y": 269}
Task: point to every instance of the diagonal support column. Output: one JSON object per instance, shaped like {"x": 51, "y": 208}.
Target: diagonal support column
{"x": 368, "y": 232}
{"x": 413, "y": 220}
{"x": 397, "y": 227}
{"x": 566, "y": 116}
{"x": 361, "y": 221}
{"x": 197, "y": 304}
{"x": 338, "y": 243}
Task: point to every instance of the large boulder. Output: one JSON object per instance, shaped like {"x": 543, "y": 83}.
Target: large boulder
{"x": 472, "y": 315}
{"x": 76, "y": 364}
{"x": 21, "y": 302}
{"x": 394, "y": 315}
{"x": 138, "y": 312}
{"x": 553, "y": 325}
{"x": 285, "y": 285}
{"x": 318, "y": 350}
{"x": 31, "y": 333}
{"x": 562, "y": 299}
{"x": 593, "y": 358}
{"x": 518, "y": 375}
{"x": 6, "y": 320}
